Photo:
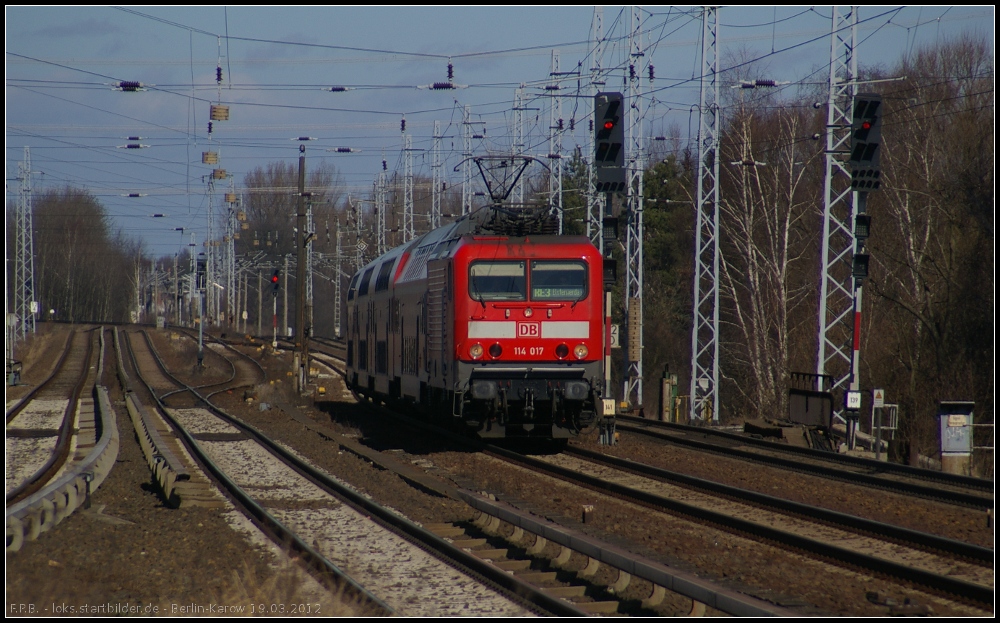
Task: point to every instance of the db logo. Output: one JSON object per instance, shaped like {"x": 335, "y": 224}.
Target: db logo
{"x": 529, "y": 329}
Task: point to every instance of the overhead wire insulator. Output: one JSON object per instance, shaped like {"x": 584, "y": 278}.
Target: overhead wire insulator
{"x": 129, "y": 86}
{"x": 764, "y": 83}
{"x": 218, "y": 74}
{"x": 451, "y": 71}
{"x": 631, "y": 72}
{"x": 652, "y": 76}
{"x": 209, "y": 127}
{"x": 402, "y": 125}
{"x": 572, "y": 124}
{"x": 337, "y": 89}
{"x": 385, "y": 167}
{"x": 560, "y": 124}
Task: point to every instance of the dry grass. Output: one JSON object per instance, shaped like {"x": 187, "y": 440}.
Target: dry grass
{"x": 287, "y": 591}
{"x": 284, "y": 589}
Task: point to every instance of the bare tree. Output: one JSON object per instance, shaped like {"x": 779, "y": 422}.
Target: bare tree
{"x": 767, "y": 198}
{"x": 79, "y": 260}
{"x": 932, "y": 240}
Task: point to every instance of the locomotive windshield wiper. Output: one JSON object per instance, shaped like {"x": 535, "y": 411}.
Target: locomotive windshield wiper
{"x": 475, "y": 286}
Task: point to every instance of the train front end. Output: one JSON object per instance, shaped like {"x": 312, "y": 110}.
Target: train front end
{"x": 528, "y": 334}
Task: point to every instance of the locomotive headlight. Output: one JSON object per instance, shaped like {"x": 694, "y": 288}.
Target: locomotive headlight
{"x": 476, "y": 351}
{"x": 580, "y": 351}
{"x": 561, "y": 351}
{"x": 528, "y": 313}
{"x": 496, "y": 350}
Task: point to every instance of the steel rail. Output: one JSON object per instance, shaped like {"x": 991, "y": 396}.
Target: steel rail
{"x": 271, "y": 526}
{"x": 978, "y": 594}
{"x": 16, "y": 409}
{"x": 428, "y": 541}
{"x": 913, "y": 489}
{"x": 904, "y": 536}
{"x": 61, "y": 451}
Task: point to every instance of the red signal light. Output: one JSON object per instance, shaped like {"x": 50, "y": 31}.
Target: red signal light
{"x": 274, "y": 279}
{"x": 867, "y": 125}
{"x": 608, "y": 125}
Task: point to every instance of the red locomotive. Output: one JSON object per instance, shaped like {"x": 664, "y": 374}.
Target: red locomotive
{"x": 491, "y": 320}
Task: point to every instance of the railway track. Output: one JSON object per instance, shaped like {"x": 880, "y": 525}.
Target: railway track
{"x": 340, "y": 531}
{"x": 928, "y": 484}
{"x": 957, "y": 570}
{"x": 77, "y": 456}
{"x": 40, "y": 428}
{"x": 954, "y": 569}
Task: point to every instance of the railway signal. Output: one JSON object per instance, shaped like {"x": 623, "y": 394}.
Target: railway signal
{"x": 609, "y": 142}
{"x": 275, "y": 283}
{"x": 200, "y": 272}
{"x": 866, "y": 135}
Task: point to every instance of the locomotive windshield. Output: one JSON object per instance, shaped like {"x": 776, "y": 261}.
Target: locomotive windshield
{"x": 497, "y": 281}
{"x": 558, "y": 280}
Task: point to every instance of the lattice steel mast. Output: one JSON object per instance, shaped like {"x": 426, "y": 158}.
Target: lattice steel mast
{"x": 466, "y": 161}
{"x": 705, "y": 332}
{"x": 836, "y": 304}
{"x": 595, "y": 202}
{"x": 409, "y": 233}
{"x": 24, "y": 258}
{"x": 518, "y": 194}
{"x": 634, "y": 233}
{"x": 555, "y": 141}
{"x": 437, "y": 178}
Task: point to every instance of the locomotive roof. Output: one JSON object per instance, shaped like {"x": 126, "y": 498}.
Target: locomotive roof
{"x": 495, "y": 220}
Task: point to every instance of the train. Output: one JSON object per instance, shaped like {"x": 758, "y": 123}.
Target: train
{"x": 493, "y": 322}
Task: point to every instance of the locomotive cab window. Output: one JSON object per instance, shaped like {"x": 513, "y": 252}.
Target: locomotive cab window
{"x": 558, "y": 280}
{"x": 497, "y": 281}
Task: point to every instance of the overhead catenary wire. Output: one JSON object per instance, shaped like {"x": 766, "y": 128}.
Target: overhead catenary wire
{"x": 664, "y": 31}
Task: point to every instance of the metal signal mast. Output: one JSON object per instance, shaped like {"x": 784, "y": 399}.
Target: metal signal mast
{"x": 836, "y": 303}
{"x": 634, "y": 233}
{"x": 555, "y": 141}
{"x": 705, "y": 332}
{"x": 595, "y": 201}
{"x": 24, "y": 258}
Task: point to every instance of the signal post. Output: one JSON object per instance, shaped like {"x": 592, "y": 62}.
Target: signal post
{"x": 611, "y": 178}
{"x": 301, "y": 333}
{"x": 866, "y": 174}
{"x": 275, "y": 286}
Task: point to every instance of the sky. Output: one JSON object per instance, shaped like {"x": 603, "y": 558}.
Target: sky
{"x": 278, "y": 65}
